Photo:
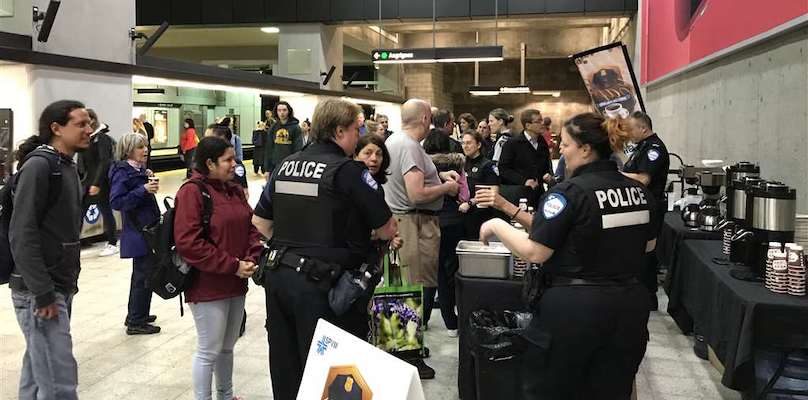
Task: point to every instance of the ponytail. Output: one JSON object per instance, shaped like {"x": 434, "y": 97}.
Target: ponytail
{"x": 603, "y": 135}
{"x": 502, "y": 115}
{"x": 616, "y": 132}
{"x": 26, "y": 148}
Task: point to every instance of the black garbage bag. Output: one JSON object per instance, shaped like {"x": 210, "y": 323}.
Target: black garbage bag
{"x": 498, "y": 336}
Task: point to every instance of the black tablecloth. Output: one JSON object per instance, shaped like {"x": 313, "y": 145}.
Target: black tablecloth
{"x": 673, "y": 233}
{"x": 476, "y": 294}
{"x": 733, "y": 316}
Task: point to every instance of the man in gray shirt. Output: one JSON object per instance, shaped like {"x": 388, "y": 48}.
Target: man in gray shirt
{"x": 414, "y": 191}
{"x": 44, "y": 236}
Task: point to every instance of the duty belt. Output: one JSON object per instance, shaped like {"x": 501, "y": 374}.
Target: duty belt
{"x": 557, "y": 281}
{"x": 315, "y": 269}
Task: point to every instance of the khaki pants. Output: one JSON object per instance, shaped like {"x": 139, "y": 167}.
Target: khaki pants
{"x": 419, "y": 252}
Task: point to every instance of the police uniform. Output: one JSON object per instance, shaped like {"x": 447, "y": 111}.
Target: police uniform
{"x": 651, "y": 157}
{"x": 588, "y": 333}
{"x": 479, "y": 171}
{"x": 313, "y": 198}
{"x": 240, "y": 174}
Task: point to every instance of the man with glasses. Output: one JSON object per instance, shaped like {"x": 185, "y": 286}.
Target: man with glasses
{"x": 524, "y": 161}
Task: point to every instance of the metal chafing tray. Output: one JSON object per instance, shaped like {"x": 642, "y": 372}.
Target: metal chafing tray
{"x": 480, "y": 261}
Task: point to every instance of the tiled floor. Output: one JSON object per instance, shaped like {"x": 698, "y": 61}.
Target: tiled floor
{"x": 113, "y": 365}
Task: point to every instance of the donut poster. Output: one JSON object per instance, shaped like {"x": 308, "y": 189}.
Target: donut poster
{"x": 610, "y": 80}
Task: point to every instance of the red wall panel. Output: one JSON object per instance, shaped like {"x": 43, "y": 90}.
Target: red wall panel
{"x": 673, "y": 39}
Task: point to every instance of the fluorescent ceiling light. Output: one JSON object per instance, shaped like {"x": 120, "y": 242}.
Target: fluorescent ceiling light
{"x": 146, "y": 80}
{"x": 469, "y": 59}
{"x": 270, "y": 29}
{"x": 483, "y": 91}
{"x": 363, "y": 101}
{"x": 514, "y": 89}
{"x": 553, "y": 93}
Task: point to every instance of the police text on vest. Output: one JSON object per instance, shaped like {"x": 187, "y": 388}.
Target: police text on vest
{"x": 299, "y": 169}
{"x": 621, "y": 197}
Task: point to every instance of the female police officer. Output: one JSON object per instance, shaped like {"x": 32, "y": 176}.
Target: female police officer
{"x": 315, "y": 202}
{"x": 588, "y": 333}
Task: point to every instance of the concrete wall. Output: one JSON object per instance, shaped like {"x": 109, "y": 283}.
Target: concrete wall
{"x": 325, "y": 46}
{"x": 426, "y": 81}
{"x": 109, "y": 94}
{"x": 20, "y": 22}
{"x": 16, "y": 79}
{"x": 96, "y": 29}
{"x": 752, "y": 106}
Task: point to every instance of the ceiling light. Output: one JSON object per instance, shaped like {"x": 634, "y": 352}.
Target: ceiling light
{"x": 483, "y": 91}
{"x": 514, "y": 89}
{"x": 547, "y": 93}
{"x": 270, "y": 29}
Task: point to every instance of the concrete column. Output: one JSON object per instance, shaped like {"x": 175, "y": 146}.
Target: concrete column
{"x": 425, "y": 81}
{"x": 306, "y": 50}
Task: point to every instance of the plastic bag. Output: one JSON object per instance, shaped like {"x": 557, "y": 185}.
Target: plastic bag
{"x": 497, "y": 336}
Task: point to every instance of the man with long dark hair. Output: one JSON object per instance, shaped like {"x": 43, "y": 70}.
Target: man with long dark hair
{"x": 44, "y": 235}
{"x": 284, "y": 138}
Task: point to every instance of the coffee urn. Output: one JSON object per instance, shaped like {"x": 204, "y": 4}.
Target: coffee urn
{"x": 736, "y": 186}
{"x": 771, "y": 218}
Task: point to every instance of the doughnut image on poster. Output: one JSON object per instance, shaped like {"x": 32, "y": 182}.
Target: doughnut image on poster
{"x": 346, "y": 383}
{"x": 609, "y": 78}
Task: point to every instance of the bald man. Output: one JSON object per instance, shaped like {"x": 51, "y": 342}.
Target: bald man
{"x": 414, "y": 192}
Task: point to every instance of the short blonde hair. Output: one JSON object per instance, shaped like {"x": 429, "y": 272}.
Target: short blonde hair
{"x": 330, "y": 114}
{"x": 129, "y": 143}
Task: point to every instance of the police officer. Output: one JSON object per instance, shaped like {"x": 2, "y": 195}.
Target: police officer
{"x": 588, "y": 333}
{"x": 308, "y": 210}
{"x": 649, "y": 165}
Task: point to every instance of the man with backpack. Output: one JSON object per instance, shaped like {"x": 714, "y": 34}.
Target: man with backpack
{"x": 44, "y": 232}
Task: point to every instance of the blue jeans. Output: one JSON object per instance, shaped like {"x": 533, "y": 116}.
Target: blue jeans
{"x": 139, "y": 294}
{"x": 49, "y": 370}
{"x": 217, "y": 326}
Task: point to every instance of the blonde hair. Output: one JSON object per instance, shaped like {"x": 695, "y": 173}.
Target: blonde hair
{"x": 330, "y": 114}
{"x": 129, "y": 143}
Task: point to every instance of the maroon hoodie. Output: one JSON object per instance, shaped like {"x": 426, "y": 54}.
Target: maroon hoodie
{"x": 232, "y": 237}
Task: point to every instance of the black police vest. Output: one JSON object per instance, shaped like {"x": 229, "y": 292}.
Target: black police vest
{"x": 307, "y": 209}
{"x": 611, "y": 231}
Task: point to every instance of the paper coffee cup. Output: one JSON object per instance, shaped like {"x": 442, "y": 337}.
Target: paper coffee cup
{"x": 493, "y": 188}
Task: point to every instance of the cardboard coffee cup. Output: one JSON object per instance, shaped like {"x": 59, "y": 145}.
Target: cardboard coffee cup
{"x": 492, "y": 188}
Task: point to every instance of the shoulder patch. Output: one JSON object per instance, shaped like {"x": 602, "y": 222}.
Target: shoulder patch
{"x": 554, "y": 204}
{"x": 653, "y": 155}
{"x": 370, "y": 180}
{"x": 240, "y": 170}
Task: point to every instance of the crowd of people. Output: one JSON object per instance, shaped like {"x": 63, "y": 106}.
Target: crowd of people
{"x": 341, "y": 192}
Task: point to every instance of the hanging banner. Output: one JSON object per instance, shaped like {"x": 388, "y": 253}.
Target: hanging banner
{"x": 610, "y": 80}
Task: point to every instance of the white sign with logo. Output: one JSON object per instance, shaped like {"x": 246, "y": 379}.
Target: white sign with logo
{"x": 342, "y": 366}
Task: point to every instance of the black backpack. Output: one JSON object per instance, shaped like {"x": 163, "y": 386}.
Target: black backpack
{"x": 171, "y": 275}
{"x": 7, "y": 206}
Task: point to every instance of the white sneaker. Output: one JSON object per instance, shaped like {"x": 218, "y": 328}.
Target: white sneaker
{"x": 452, "y": 333}
{"x": 108, "y": 250}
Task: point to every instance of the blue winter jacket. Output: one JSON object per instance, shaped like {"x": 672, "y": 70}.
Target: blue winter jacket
{"x": 137, "y": 206}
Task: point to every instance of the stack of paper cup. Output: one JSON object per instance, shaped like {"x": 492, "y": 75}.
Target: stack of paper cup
{"x": 796, "y": 271}
{"x": 774, "y": 247}
{"x": 778, "y": 283}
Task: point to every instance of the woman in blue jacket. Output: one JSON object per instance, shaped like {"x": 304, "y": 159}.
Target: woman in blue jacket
{"x": 132, "y": 194}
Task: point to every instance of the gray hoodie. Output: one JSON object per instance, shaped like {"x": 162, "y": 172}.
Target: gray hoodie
{"x": 46, "y": 254}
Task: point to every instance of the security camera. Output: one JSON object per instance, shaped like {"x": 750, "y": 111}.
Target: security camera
{"x": 47, "y": 19}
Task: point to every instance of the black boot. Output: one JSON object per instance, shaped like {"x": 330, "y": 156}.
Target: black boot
{"x": 145, "y": 329}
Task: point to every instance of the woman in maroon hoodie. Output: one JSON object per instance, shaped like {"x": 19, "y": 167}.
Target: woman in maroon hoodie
{"x": 223, "y": 260}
